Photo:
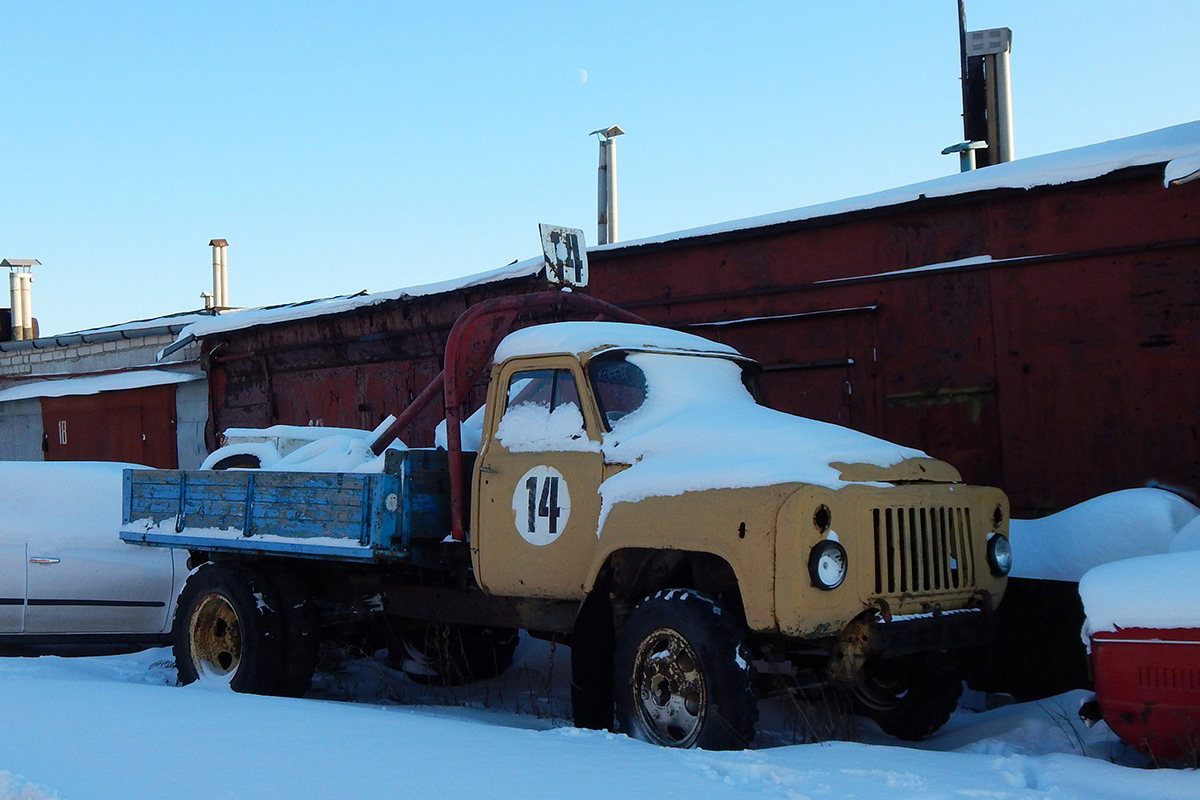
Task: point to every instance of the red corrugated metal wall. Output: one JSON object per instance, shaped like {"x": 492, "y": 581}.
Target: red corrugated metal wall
{"x": 1060, "y": 370}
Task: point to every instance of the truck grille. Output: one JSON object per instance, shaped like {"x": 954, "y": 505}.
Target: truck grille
{"x": 923, "y": 549}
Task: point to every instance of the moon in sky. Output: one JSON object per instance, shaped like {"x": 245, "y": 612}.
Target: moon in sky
{"x": 583, "y": 76}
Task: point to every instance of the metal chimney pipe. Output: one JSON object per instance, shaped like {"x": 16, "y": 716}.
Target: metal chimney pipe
{"x": 225, "y": 276}
{"x": 26, "y": 280}
{"x": 220, "y": 278}
{"x": 1004, "y": 120}
{"x": 606, "y": 185}
{"x": 16, "y": 311}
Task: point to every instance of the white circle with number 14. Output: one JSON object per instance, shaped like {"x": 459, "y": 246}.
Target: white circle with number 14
{"x": 541, "y": 505}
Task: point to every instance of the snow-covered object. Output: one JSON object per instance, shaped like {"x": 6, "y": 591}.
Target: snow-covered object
{"x": 61, "y": 503}
{"x": 297, "y": 448}
{"x": 1158, "y": 591}
{"x": 1120, "y": 525}
{"x": 700, "y": 428}
{"x": 470, "y": 431}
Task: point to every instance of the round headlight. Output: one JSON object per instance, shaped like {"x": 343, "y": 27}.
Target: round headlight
{"x": 999, "y": 553}
{"x": 827, "y": 565}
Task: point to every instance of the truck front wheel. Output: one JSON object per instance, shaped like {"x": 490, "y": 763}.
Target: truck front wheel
{"x": 682, "y": 674}
{"x": 909, "y": 698}
{"x": 226, "y": 629}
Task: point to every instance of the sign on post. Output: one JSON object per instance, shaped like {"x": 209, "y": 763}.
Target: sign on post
{"x": 565, "y": 254}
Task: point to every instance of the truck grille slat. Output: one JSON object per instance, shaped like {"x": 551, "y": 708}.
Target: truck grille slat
{"x": 923, "y": 549}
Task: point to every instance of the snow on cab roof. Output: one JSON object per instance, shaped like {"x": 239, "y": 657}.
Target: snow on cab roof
{"x": 1177, "y": 147}
{"x": 578, "y": 338}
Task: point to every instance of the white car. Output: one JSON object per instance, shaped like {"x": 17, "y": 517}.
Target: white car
{"x": 66, "y": 578}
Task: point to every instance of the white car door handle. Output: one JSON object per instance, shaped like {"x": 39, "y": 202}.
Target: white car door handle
{"x": 44, "y": 560}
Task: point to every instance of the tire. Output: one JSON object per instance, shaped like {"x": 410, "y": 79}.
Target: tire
{"x": 907, "y": 698}
{"x": 682, "y": 674}
{"x": 227, "y": 629}
{"x": 451, "y": 655}
{"x": 239, "y": 461}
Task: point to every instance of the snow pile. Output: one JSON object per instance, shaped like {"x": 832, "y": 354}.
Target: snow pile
{"x": 1133, "y": 522}
{"x": 1135, "y": 554}
{"x": 1158, "y": 591}
{"x": 700, "y": 428}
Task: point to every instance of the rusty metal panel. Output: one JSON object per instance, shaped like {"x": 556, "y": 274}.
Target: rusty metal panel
{"x": 133, "y": 425}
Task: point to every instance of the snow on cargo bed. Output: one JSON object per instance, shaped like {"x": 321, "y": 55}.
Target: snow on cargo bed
{"x": 303, "y": 448}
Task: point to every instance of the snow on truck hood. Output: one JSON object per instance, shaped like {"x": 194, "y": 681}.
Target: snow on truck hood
{"x": 701, "y": 429}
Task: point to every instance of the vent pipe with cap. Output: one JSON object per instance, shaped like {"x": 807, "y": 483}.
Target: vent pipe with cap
{"x": 220, "y": 266}
{"x": 606, "y": 194}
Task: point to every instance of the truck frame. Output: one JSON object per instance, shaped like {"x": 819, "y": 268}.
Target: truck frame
{"x": 874, "y": 582}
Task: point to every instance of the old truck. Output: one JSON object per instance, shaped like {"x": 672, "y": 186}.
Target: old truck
{"x": 627, "y": 495}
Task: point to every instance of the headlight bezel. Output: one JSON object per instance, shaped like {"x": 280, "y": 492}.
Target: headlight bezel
{"x": 999, "y": 555}
{"x": 825, "y": 555}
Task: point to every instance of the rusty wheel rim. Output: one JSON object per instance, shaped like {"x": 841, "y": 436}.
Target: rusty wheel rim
{"x": 669, "y": 689}
{"x": 215, "y": 636}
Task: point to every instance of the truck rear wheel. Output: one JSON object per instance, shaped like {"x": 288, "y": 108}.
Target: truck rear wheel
{"x": 908, "y": 698}
{"x": 682, "y": 674}
{"x": 451, "y": 655}
{"x": 228, "y": 629}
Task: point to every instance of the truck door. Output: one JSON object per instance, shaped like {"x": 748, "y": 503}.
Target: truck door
{"x": 12, "y": 588}
{"x": 537, "y": 482}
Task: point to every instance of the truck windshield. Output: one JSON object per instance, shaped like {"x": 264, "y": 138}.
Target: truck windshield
{"x": 624, "y": 382}
{"x": 619, "y": 386}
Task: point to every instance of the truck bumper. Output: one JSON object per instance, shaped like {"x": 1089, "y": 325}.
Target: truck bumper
{"x": 877, "y": 634}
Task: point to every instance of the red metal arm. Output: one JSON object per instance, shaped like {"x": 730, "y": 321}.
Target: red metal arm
{"x": 469, "y": 348}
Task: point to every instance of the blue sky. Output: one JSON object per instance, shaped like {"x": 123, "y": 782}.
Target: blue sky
{"x": 371, "y": 145}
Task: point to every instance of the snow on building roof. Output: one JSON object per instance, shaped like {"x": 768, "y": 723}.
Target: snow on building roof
{"x": 94, "y": 384}
{"x": 289, "y": 312}
{"x": 586, "y": 337}
{"x": 1177, "y": 147}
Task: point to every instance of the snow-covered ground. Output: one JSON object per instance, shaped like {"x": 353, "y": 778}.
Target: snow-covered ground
{"x": 118, "y": 727}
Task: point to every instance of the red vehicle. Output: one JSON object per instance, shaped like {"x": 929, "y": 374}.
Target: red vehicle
{"x": 1148, "y": 689}
{"x": 1143, "y": 617}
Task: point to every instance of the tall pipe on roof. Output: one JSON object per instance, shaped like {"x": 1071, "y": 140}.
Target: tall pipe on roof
{"x": 606, "y": 184}
{"x": 220, "y": 267}
{"x": 26, "y": 281}
{"x": 16, "y": 311}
